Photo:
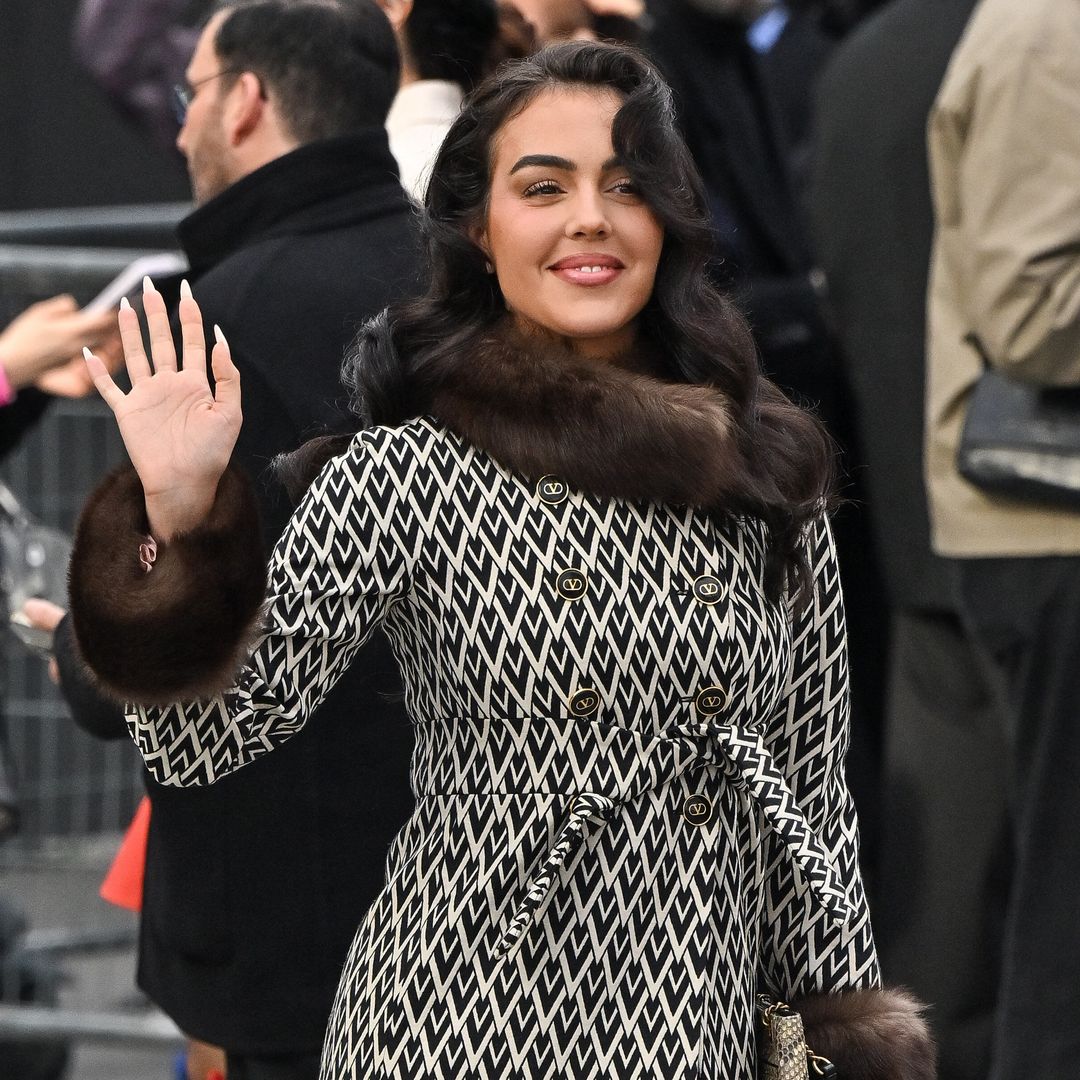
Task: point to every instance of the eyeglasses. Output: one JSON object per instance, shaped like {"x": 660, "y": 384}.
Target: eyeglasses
{"x": 184, "y": 93}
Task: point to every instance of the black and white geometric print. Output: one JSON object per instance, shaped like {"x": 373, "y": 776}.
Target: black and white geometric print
{"x": 631, "y": 807}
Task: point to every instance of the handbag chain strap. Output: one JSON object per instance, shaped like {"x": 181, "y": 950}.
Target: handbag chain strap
{"x": 822, "y": 1066}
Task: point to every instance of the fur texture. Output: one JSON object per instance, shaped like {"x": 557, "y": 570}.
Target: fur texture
{"x": 870, "y": 1034}
{"x": 181, "y": 630}
{"x": 604, "y": 426}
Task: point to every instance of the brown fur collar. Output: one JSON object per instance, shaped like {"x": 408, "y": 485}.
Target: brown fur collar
{"x": 870, "y": 1034}
{"x": 181, "y": 630}
{"x": 603, "y": 426}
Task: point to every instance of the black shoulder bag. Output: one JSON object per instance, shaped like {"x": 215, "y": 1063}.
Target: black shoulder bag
{"x": 1022, "y": 440}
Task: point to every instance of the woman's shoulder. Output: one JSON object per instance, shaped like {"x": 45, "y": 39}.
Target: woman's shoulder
{"x": 392, "y": 471}
{"x": 421, "y": 444}
{"x": 419, "y": 433}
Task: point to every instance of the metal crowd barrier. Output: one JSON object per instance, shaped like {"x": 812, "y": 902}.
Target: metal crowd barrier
{"x": 76, "y": 793}
{"x": 151, "y": 227}
{"x": 70, "y": 785}
{"x": 29, "y": 1023}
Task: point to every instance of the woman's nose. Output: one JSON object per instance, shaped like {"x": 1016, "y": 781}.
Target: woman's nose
{"x": 588, "y": 216}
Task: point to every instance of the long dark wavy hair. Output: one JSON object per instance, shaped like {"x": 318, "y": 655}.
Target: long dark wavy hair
{"x": 701, "y": 337}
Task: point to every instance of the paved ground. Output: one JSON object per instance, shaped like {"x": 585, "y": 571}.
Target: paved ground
{"x": 64, "y": 897}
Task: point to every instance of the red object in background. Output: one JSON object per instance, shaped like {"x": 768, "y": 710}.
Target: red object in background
{"x": 123, "y": 884}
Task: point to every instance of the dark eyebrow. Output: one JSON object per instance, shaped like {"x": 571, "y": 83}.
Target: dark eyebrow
{"x": 548, "y": 160}
{"x": 553, "y": 162}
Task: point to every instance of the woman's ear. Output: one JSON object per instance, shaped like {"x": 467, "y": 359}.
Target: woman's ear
{"x": 478, "y": 235}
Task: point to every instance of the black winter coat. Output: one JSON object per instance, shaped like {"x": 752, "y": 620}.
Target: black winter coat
{"x": 734, "y": 126}
{"x": 255, "y": 887}
{"x": 874, "y": 223}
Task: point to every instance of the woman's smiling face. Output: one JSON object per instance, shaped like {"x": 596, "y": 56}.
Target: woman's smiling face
{"x": 575, "y": 248}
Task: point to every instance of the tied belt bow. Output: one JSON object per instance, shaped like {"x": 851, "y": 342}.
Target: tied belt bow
{"x": 745, "y": 759}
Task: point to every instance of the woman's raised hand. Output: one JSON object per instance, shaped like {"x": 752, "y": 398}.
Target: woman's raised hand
{"x": 179, "y": 435}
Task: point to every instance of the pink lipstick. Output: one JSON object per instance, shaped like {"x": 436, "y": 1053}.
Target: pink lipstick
{"x": 588, "y": 268}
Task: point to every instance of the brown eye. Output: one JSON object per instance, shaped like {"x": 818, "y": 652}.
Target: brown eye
{"x": 542, "y": 187}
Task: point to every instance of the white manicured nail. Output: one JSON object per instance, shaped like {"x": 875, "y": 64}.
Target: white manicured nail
{"x": 87, "y": 354}
{"x": 219, "y": 337}
{"x": 125, "y": 305}
{"x": 147, "y": 284}
{"x": 185, "y": 290}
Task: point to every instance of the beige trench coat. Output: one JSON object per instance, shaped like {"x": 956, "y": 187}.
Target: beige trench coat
{"x": 1004, "y": 140}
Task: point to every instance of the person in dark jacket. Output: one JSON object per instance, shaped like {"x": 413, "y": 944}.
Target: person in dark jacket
{"x": 728, "y": 105}
{"x": 734, "y": 127}
{"x": 943, "y": 863}
{"x": 302, "y": 231}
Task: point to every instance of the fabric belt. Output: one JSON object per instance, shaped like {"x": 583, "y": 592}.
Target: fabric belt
{"x": 745, "y": 760}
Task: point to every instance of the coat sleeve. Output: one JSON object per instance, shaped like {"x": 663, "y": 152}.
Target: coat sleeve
{"x": 19, "y": 416}
{"x": 1005, "y": 156}
{"x": 95, "y": 713}
{"x": 804, "y": 951}
{"x": 345, "y": 558}
{"x": 827, "y": 971}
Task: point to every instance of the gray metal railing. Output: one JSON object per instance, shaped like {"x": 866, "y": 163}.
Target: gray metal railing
{"x": 70, "y": 785}
{"x": 76, "y": 793}
{"x": 148, "y": 227}
{"x": 30, "y": 1023}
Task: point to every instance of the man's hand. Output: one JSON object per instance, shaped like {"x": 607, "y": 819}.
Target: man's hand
{"x": 205, "y": 1062}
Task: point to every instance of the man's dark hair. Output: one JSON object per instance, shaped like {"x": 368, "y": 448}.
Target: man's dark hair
{"x": 331, "y": 65}
{"x": 452, "y": 39}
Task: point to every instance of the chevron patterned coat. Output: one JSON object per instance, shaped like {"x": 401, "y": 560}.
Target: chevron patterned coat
{"x": 631, "y": 806}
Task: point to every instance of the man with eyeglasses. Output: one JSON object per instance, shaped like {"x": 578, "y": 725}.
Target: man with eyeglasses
{"x": 301, "y": 231}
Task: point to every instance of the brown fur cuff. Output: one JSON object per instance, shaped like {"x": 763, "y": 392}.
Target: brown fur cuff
{"x": 181, "y": 630}
{"x": 870, "y": 1034}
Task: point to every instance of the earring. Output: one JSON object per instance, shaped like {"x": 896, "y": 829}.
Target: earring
{"x": 488, "y": 266}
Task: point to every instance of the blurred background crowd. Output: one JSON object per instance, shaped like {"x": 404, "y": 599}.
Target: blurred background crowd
{"x": 895, "y": 193}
